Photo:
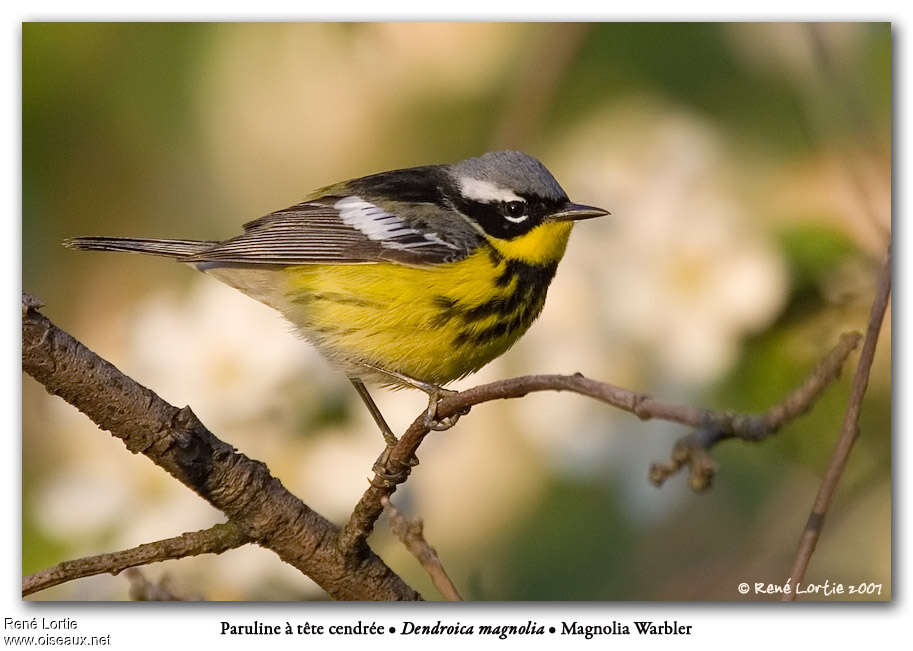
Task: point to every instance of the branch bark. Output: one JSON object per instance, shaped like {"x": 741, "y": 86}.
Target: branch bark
{"x": 175, "y": 440}
{"x": 215, "y": 540}
{"x": 849, "y": 432}
{"x": 693, "y": 450}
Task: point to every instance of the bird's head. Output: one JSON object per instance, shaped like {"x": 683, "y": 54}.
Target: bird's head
{"x": 508, "y": 193}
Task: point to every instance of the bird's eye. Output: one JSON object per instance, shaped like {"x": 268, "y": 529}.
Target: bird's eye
{"x": 515, "y": 211}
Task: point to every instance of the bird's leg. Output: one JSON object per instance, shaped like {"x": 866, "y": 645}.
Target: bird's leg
{"x": 434, "y": 392}
{"x": 385, "y": 431}
{"x": 380, "y": 466}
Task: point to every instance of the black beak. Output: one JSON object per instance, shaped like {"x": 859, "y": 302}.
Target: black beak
{"x": 576, "y": 211}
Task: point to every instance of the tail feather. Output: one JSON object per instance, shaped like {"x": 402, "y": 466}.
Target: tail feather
{"x": 167, "y": 248}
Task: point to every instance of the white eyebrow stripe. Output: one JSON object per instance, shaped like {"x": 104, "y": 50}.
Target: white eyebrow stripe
{"x": 379, "y": 225}
{"x": 485, "y": 191}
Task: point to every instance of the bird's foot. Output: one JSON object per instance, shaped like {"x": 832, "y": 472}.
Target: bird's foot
{"x": 431, "y": 420}
{"x": 391, "y": 477}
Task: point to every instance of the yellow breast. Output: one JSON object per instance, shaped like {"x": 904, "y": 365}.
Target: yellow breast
{"x": 435, "y": 323}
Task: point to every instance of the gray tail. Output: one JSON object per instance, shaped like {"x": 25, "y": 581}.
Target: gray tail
{"x": 167, "y": 248}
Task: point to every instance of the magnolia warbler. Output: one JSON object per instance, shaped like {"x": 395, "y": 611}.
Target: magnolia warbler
{"x": 413, "y": 277}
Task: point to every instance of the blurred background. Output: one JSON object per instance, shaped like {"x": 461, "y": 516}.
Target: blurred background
{"x": 748, "y": 171}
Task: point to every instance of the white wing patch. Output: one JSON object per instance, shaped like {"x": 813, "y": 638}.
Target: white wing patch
{"x": 369, "y": 219}
{"x": 379, "y": 225}
{"x": 485, "y": 191}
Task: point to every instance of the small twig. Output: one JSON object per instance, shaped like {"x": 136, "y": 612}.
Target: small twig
{"x": 722, "y": 424}
{"x": 693, "y": 450}
{"x": 215, "y": 540}
{"x": 849, "y": 432}
{"x": 142, "y": 589}
{"x": 412, "y": 536}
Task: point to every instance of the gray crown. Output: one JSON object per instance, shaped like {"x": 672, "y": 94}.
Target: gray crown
{"x": 513, "y": 170}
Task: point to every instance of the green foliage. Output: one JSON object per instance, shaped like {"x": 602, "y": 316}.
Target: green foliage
{"x": 38, "y": 550}
{"x": 686, "y": 63}
{"x": 550, "y": 553}
{"x": 813, "y": 251}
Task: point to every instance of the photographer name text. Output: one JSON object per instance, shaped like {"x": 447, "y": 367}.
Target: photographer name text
{"x": 826, "y": 589}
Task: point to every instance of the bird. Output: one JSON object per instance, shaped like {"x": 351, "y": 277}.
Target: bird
{"x": 412, "y": 277}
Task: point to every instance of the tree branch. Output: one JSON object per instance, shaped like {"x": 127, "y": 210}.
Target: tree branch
{"x": 692, "y": 450}
{"x": 215, "y": 540}
{"x": 411, "y": 533}
{"x": 718, "y": 425}
{"x": 849, "y": 432}
{"x": 175, "y": 440}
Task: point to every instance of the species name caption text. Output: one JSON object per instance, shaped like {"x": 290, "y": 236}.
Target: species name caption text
{"x": 455, "y": 628}
{"x": 48, "y": 631}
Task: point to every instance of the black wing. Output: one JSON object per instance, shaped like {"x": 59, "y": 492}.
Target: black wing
{"x": 347, "y": 230}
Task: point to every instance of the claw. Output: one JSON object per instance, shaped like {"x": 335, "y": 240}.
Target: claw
{"x": 443, "y": 424}
{"x": 388, "y": 479}
{"x": 440, "y": 424}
